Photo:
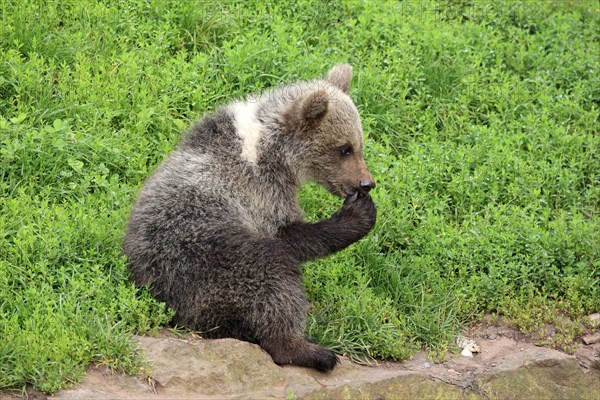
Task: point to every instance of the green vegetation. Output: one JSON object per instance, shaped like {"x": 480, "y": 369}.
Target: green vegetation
{"x": 483, "y": 135}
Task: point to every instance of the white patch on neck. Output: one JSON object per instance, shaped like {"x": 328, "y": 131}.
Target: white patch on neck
{"x": 248, "y": 128}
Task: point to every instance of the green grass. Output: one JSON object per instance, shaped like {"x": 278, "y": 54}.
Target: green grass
{"x": 482, "y": 132}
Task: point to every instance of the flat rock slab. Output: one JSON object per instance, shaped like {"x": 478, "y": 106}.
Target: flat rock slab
{"x": 227, "y": 369}
{"x": 591, "y": 338}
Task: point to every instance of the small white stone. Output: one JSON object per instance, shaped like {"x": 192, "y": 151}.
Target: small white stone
{"x": 466, "y": 353}
{"x": 469, "y": 344}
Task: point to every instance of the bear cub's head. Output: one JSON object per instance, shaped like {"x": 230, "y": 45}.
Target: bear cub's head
{"x": 326, "y": 120}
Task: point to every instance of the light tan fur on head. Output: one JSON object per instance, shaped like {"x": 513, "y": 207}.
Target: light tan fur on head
{"x": 328, "y": 118}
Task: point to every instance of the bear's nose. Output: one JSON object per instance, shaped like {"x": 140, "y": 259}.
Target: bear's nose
{"x": 367, "y": 185}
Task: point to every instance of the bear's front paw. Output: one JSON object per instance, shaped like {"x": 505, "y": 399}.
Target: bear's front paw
{"x": 359, "y": 211}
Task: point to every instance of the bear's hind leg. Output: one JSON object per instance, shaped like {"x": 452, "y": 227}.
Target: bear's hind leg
{"x": 279, "y": 320}
{"x": 299, "y": 351}
{"x": 265, "y": 289}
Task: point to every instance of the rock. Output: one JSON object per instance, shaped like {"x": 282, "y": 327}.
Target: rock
{"x": 206, "y": 369}
{"x": 589, "y": 356}
{"x": 404, "y": 387}
{"x": 466, "y": 353}
{"x": 228, "y": 369}
{"x": 594, "y": 318}
{"x": 508, "y": 333}
{"x": 591, "y": 338}
{"x": 215, "y": 367}
{"x": 547, "y": 379}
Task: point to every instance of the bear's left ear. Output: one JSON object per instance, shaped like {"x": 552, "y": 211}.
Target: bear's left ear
{"x": 340, "y": 77}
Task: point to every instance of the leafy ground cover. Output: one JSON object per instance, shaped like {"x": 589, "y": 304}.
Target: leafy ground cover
{"x": 482, "y": 132}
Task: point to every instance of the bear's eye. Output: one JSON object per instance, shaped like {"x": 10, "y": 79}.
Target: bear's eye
{"x": 346, "y": 151}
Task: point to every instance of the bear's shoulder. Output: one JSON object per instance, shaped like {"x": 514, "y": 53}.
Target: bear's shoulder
{"x": 214, "y": 131}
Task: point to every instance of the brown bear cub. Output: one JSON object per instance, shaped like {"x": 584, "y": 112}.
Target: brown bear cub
{"x": 217, "y": 231}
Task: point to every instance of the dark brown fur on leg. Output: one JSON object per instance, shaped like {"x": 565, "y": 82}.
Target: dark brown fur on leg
{"x": 300, "y": 352}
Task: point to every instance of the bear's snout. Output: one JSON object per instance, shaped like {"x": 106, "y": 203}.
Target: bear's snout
{"x": 367, "y": 185}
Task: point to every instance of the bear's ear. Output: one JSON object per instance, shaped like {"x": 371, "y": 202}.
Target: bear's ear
{"x": 306, "y": 112}
{"x": 314, "y": 106}
{"x": 340, "y": 77}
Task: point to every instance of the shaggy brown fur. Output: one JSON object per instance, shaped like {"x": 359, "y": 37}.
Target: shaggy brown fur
{"x": 217, "y": 231}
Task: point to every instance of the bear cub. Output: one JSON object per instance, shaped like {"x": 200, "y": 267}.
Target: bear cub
{"x": 217, "y": 231}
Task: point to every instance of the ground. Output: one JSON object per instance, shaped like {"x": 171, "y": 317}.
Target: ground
{"x": 508, "y": 366}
